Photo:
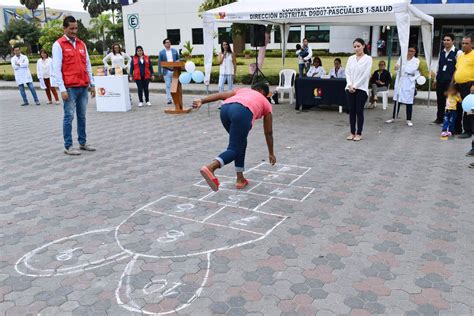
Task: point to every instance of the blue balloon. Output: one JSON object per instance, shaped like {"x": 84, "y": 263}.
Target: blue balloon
{"x": 185, "y": 78}
{"x": 468, "y": 103}
{"x": 198, "y": 76}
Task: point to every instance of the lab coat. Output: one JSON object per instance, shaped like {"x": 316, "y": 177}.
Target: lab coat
{"x": 21, "y": 69}
{"x": 39, "y": 71}
{"x": 407, "y": 81}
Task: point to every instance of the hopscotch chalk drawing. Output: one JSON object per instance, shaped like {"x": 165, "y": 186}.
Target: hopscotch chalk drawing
{"x": 169, "y": 242}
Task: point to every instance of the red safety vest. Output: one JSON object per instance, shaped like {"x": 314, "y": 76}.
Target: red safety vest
{"x": 74, "y": 67}
{"x": 136, "y": 68}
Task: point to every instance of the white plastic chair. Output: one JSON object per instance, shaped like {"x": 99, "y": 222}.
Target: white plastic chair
{"x": 384, "y": 95}
{"x": 287, "y": 83}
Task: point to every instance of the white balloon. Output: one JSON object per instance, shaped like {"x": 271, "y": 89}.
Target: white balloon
{"x": 190, "y": 66}
{"x": 421, "y": 80}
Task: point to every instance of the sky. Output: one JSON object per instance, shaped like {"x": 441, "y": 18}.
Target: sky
{"x": 73, "y": 5}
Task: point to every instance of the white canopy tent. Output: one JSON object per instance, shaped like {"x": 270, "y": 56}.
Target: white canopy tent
{"x": 334, "y": 12}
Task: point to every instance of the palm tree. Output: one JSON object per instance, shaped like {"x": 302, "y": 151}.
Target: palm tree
{"x": 31, "y": 5}
{"x": 101, "y": 25}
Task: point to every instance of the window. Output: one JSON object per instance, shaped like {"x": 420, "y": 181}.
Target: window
{"x": 277, "y": 34}
{"x": 317, "y": 34}
{"x": 224, "y": 34}
{"x": 295, "y": 34}
{"x": 198, "y": 37}
{"x": 174, "y": 36}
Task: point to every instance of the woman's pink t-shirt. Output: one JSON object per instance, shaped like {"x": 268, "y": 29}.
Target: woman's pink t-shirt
{"x": 253, "y": 100}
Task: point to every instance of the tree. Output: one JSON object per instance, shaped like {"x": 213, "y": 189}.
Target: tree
{"x": 31, "y": 5}
{"x": 28, "y": 32}
{"x": 101, "y": 25}
{"x": 5, "y": 48}
{"x": 97, "y": 7}
{"x": 50, "y": 33}
{"x": 115, "y": 34}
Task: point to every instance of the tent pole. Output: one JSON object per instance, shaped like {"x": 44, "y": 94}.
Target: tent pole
{"x": 429, "y": 69}
{"x": 390, "y": 47}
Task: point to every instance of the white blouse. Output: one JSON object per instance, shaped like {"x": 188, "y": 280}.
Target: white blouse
{"x": 341, "y": 73}
{"x": 227, "y": 66}
{"x": 118, "y": 60}
{"x": 358, "y": 72}
{"x": 316, "y": 72}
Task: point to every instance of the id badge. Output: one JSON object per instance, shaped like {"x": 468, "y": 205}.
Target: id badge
{"x": 445, "y": 67}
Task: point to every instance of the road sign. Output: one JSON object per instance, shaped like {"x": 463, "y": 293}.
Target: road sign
{"x": 133, "y": 21}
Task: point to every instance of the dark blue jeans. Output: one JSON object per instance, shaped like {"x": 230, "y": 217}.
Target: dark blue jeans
{"x": 301, "y": 70}
{"x": 449, "y": 121}
{"x": 77, "y": 102}
{"x": 32, "y": 90}
{"x": 237, "y": 121}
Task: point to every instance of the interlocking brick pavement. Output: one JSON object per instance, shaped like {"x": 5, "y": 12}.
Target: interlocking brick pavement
{"x": 388, "y": 229}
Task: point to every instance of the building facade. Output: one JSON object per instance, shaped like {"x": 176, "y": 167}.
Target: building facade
{"x": 179, "y": 20}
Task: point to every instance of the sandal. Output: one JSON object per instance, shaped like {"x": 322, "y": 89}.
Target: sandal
{"x": 241, "y": 185}
{"x": 211, "y": 180}
{"x": 350, "y": 137}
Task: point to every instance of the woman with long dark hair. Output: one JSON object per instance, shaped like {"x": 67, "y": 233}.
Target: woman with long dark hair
{"x": 405, "y": 84}
{"x": 358, "y": 70}
{"x": 117, "y": 58}
{"x": 228, "y": 66}
{"x": 141, "y": 70}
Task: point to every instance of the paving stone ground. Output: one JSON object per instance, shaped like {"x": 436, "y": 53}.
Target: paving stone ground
{"x": 387, "y": 230}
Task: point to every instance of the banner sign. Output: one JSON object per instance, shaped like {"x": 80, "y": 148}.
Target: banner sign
{"x": 297, "y": 13}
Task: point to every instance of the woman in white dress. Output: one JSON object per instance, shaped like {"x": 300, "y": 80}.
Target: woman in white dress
{"x": 405, "y": 84}
{"x": 358, "y": 70}
{"x": 117, "y": 59}
{"x": 316, "y": 70}
{"x": 228, "y": 67}
{"x": 44, "y": 70}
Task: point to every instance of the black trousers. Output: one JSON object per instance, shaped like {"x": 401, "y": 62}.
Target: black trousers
{"x": 356, "y": 102}
{"x": 463, "y": 120}
{"x": 409, "y": 108}
{"x": 441, "y": 88}
{"x": 142, "y": 86}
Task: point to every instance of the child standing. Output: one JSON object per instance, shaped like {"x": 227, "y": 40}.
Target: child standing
{"x": 452, "y": 99}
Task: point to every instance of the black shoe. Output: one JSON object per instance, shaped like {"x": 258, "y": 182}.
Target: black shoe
{"x": 465, "y": 135}
{"x": 170, "y": 102}
{"x": 470, "y": 153}
{"x": 471, "y": 165}
{"x": 25, "y": 104}
{"x": 436, "y": 122}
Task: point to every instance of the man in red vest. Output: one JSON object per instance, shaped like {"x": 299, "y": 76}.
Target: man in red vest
{"x": 73, "y": 73}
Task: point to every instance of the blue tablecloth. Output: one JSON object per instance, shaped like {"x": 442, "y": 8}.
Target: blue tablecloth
{"x": 315, "y": 91}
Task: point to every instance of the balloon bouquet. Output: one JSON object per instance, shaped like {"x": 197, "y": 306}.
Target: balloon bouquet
{"x": 191, "y": 74}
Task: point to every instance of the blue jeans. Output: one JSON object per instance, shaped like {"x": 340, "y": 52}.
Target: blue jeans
{"x": 168, "y": 78}
{"x": 226, "y": 78}
{"x": 237, "y": 121}
{"x": 23, "y": 93}
{"x": 449, "y": 121}
{"x": 301, "y": 70}
{"x": 77, "y": 102}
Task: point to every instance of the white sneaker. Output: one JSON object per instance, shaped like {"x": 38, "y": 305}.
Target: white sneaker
{"x": 390, "y": 121}
{"x": 140, "y": 104}
{"x": 409, "y": 123}
{"x": 148, "y": 103}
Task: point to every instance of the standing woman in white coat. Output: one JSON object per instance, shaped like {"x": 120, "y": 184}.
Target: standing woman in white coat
{"x": 405, "y": 85}
{"x": 357, "y": 89}
{"x": 44, "y": 70}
